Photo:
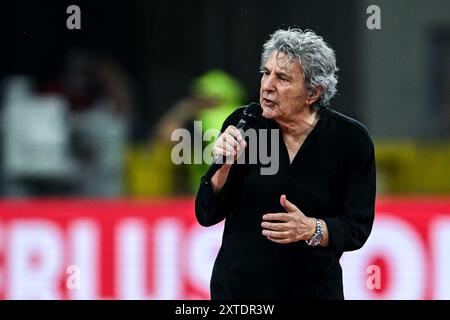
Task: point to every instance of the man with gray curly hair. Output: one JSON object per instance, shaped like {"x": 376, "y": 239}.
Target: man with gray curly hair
{"x": 316, "y": 59}
{"x": 285, "y": 233}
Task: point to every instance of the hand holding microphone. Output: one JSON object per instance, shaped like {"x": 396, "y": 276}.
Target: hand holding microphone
{"x": 231, "y": 139}
{"x": 228, "y": 146}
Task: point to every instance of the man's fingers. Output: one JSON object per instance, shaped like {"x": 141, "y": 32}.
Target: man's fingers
{"x": 227, "y": 147}
{"x": 275, "y": 226}
{"x": 281, "y": 216}
{"x": 276, "y": 234}
{"x": 281, "y": 241}
{"x": 228, "y": 151}
{"x": 219, "y": 150}
{"x": 230, "y": 141}
{"x": 242, "y": 145}
{"x": 289, "y": 206}
{"x": 235, "y": 133}
{"x": 230, "y": 144}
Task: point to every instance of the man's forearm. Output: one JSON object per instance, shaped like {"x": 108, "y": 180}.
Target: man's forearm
{"x": 220, "y": 178}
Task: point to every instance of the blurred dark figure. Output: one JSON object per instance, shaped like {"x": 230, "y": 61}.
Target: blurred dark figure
{"x": 99, "y": 99}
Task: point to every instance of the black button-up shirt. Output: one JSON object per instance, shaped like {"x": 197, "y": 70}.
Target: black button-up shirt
{"x": 332, "y": 177}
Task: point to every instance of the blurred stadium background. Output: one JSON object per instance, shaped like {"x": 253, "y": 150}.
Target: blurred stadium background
{"x": 93, "y": 208}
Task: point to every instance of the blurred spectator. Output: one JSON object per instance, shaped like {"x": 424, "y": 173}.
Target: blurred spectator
{"x": 100, "y": 103}
{"x": 35, "y": 141}
{"x": 77, "y": 126}
{"x": 214, "y": 96}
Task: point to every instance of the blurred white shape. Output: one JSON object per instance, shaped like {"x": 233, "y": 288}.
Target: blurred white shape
{"x": 440, "y": 233}
{"x": 168, "y": 266}
{"x": 103, "y": 133}
{"x": 35, "y": 261}
{"x": 84, "y": 239}
{"x": 131, "y": 264}
{"x": 36, "y": 138}
{"x": 130, "y": 246}
{"x": 2, "y": 252}
{"x": 203, "y": 247}
{"x": 16, "y": 88}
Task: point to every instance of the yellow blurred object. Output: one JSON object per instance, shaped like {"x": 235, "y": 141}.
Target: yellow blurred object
{"x": 413, "y": 167}
{"x": 149, "y": 171}
{"x": 403, "y": 167}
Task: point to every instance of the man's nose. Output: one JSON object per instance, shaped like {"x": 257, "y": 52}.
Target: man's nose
{"x": 267, "y": 83}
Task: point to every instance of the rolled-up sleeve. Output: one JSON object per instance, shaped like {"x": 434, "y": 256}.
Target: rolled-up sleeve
{"x": 350, "y": 229}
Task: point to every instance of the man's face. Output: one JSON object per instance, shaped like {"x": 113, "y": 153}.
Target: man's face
{"x": 283, "y": 91}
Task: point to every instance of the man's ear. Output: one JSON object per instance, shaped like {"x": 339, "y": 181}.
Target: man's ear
{"x": 314, "y": 95}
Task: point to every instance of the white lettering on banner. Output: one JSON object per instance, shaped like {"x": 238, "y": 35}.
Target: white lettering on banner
{"x": 35, "y": 260}
{"x": 170, "y": 259}
{"x": 440, "y": 251}
{"x": 131, "y": 264}
{"x": 84, "y": 244}
{"x": 402, "y": 248}
{"x": 130, "y": 259}
{"x": 203, "y": 245}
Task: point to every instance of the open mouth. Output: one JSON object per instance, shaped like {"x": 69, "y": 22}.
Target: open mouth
{"x": 268, "y": 103}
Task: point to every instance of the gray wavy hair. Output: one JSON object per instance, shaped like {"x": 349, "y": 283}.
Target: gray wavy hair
{"x": 316, "y": 58}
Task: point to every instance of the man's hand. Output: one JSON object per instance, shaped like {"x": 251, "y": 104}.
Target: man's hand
{"x": 230, "y": 145}
{"x": 287, "y": 227}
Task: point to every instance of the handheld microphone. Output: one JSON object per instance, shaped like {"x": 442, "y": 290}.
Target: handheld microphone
{"x": 251, "y": 113}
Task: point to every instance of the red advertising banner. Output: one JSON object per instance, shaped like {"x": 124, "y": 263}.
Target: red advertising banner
{"x": 122, "y": 249}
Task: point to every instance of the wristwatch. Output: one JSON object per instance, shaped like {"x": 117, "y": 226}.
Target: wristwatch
{"x": 317, "y": 236}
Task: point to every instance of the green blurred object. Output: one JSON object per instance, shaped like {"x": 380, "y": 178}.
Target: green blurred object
{"x": 218, "y": 84}
{"x": 230, "y": 94}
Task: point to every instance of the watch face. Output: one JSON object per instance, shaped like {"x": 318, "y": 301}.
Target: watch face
{"x": 317, "y": 240}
